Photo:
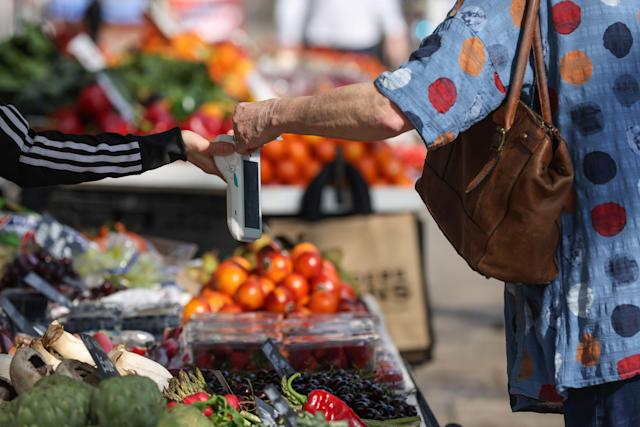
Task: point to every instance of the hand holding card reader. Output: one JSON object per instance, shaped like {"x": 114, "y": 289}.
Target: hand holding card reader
{"x": 242, "y": 173}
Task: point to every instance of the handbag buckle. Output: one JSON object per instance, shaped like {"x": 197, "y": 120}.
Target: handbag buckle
{"x": 498, "y": 146}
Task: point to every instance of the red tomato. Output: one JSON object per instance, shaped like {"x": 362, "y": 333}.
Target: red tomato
{"x": 325, "y": 151}
{"x": 273, "y": 150}
{"x": 67, "y": 120}
{"x": 249, "y": 295}
{"x": 353, "y": 151}
{"x": 93, "y": 102}
{"x": 325, "y": 283}
{"x": 104, "y": 341}
{"x": 310, "y": 170}
{"x": 267, "y": 285}
{"x": 368, "y": 167}
{"x": 324, "y": 302}
{"x": 227, "y": 125}
{"x": 347, "y": 293}
{"x": 280, "y": 300}
{"x": 231, "y": 308}
{"x": 274, "y": 265}
{"x": 302, "y": 248}
{"x": 329, "y": 270}
{"x": 157, "y": 112}
{"x": 288, "y": 172}
{"x": 266, "y": 171}
{"x": 205, "y": 125}
{"x": 298, "y": 285}
{"x": 115, "y": 123}
{"x": 196, "y": 305}
{"x": 297, "y": 151}
{"x": 308, "y": 265}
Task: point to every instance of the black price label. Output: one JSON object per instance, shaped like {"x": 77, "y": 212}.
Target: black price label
{"x": 20, "y": 322}
{"x": 280, "y": 364}
{"x": 103, "y": 363}
{"x": 267, "y": 413}
{"x": 59, "y": 240}
{"x": 287, "y": 414}
{"x": 45, "y": 288}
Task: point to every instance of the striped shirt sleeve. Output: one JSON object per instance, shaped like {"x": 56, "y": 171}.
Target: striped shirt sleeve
{"x": 31, "y": 158}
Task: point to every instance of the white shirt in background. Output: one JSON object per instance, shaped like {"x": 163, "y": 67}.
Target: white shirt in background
{"x": 342, "y": 24}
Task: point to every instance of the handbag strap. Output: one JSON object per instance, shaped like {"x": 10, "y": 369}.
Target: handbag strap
{"x": 529, "y": 37}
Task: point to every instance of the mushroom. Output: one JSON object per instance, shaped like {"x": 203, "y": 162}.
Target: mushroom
{"x": 5, "y": 364}
{"x": 79, "y": 370}
{"x": 48, "y": 358}
{"x": 7, "y": 392}
{"x": 27, "y": 367}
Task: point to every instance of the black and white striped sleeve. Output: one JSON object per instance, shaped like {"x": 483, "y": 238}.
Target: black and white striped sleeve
{"x": 31, "y": 158}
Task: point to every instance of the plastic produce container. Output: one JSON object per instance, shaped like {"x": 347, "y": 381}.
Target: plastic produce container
{"x": 342, "y": 341}
{"x": 90, "y": 317}
{"x": 231, "y": 341}
{"x": 154, "y": 320}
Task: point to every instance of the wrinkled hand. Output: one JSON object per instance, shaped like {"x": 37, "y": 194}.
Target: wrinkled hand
{"x": 253, "y": 125}
{"x": 200, "y": 151}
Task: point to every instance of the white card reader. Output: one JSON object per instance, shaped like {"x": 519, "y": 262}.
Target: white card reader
{"x": 244, "y": 207}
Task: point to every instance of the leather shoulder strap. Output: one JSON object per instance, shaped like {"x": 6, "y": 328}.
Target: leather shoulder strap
{"x": 541, "y": 77}
{"x": 527, "y": 34}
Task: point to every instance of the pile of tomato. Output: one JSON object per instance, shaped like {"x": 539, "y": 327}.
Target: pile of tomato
{"x": 299, "y": 281}
{"x": 297, "y": 159}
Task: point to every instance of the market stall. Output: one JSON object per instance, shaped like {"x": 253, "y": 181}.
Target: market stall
{"x": 129, "y": 299}
{"x": 215, "y": 334}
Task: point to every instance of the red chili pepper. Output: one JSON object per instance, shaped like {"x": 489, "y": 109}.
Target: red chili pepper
{"x": 332, "y": 407}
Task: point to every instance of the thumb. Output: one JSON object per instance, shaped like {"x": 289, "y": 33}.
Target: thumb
{"x": 220, "y": 149}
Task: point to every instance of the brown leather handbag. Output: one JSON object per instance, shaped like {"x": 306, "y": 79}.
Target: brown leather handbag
{"x": 498, "y": 190}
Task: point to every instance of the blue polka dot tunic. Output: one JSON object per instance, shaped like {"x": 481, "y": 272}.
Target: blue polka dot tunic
{"x": 582, "y": 329}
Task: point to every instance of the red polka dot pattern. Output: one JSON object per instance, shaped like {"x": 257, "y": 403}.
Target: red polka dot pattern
{"x": 608, "y": 219}
{"x": 442, "y": 94}
{"x": 498, "y": 83}
{"x": 548, "y": 393}
{"x": 629, "y": 366}
{"x": 565, "y": 17}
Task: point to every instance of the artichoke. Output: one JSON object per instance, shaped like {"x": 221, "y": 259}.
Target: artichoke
{"x": 54, "y": 401}
{"x": 7, "y": 411}
{"x": 183, "y": 416}
{"x": 130, "y": 401}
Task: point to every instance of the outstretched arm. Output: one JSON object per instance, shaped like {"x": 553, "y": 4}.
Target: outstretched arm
{"x": 31, "y": 158}
{"x": 358, "y": 112}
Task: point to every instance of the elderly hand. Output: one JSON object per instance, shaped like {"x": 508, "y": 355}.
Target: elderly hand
{"x": 253, "y": 125}
{"x": 200, "y": 151}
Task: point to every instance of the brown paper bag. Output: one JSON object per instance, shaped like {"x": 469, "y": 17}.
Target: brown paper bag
{"x": 384, "y": 254}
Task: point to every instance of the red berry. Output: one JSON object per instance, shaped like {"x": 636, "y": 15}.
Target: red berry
{"x": 232, "y": 400}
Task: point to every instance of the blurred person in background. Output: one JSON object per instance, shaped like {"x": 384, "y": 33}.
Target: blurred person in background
{"x": 29, "y": 158}
{"x": 376, "y": 28}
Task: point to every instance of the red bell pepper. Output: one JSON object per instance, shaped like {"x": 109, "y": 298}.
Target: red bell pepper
{"x": 332, "y": 407}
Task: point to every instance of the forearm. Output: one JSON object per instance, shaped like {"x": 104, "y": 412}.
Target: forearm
{"x": 31, "y": 158}
{"x": 357, "y": 112}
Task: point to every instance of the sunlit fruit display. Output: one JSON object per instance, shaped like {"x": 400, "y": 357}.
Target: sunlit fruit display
{"x": 270, "y": 279}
